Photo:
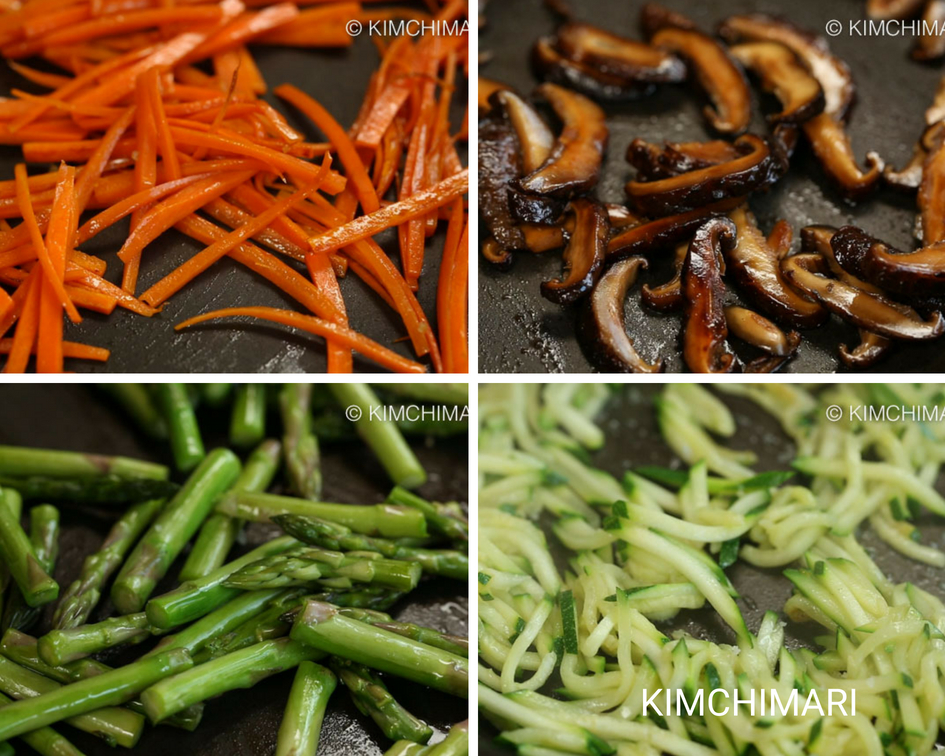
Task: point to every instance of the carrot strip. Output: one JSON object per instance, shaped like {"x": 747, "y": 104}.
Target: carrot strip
{"x": 246, "y": 27}
{"x": 44, "y": 79}
{"x": 452, "y": 294}
{"x": 145, "y": 171}
{"x": 6, "y": 304}
{"x": 89, "y": 280}
{"x": 24, "y": 338}
{"x": 70, "y": 349}
{"x": 88, "y": 299}
{"x": 165, "y": 141}
{"x": 361, "y": 344}
{"x": 323, "y": 276}
{"x": 392, "y": 215}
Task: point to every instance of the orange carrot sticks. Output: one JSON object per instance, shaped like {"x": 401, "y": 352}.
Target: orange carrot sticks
{"x": 70, "y": 349}
{"x": 452, "y": 293}
{"x": 323, "y": 276}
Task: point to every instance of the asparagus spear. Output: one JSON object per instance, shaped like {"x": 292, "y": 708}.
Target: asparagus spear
{"x": 440, "y": 393}
{"x": 196, "y": 598}
{"x": 219, "y": 532}
{"x": 45, "y": 741}
{"x": 116, "y": 725}
{"x": 186, "y": 442}
{"x": 305, "y": 709}
{"x": 14, "y": 501}
{"x": 368, "y": 597}
{"x": 406, "y": 748}
{"x": 452, "y": 527}
{"x": 322, "y": 626}
{"x": 305, "y": 567}
{"x": 452, "y": 643}
{"x": 382, "y": 435}
{"x": 378, "y": 519}
{"x": 83, "y": 595}
{"x": 104, "y": 490}
{"x": 372, "y": 699}
{"x": 331, "y": 425}
{"x": 241, "y": 669}
{"x": 329, "y": 535}
{"x": 456, "y": 742}
{"x": 248, "y": 423}
{"x": 267, "y": 624}
{"x": 36, "y": 586}
{"x": 63, "y": 646}
{"x": 108, "y": 689}
{"x": 216, "y": 394}
{"x": 137, "y": 402}
{"x": 302, "y": 460}
{"x": 44, "y": 538}
{"x": 177, "y": 523}
{"x": 21, "y": 462}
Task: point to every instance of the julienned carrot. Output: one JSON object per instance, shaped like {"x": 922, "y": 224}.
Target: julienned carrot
{"x": 165, "y": 142}
{"x": 62, "y": 221}
{"x": 172, "y": 283}
{"x": 452, "y": 293}
{"x": 315, "y": 27}
{"x": 393, "y": 215}
{"x": 179, "y": 15}
{"x": 86, "y": 278}
{"x": 89, "y": 299}
{"x": 243, "y": 29}
{"x": 361, "y": 344}
{"x": 6, "y": 304}
{"x": 70, "y": 349}
{"x": 348, "y": 155}
{"x": 99, "y": 159}
{"x": 323, "y": 276}
{"x": 28, "y": 324}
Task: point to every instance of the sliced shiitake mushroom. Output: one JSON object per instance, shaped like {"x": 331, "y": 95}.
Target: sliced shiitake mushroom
{"x": 760, "y": 332}
{"x": 893, "y": 8}
{"x": 575, "y": 160}
{"x": 534, "y": 136}
{"x": 617, "y": 56}
{"x": 780, "y": 238}
{"x": 831, "y": 144}
{"x": 622, "y": 217}
{"x": 930, "y": 45}
{"x": 756, "y": 168}
{"x": 496, "y": 254}
{"x": 869, "y": 351}
{"x": 705, "y": 333}
{"x": 594, "y": 82}
{"x": 602, "y": 328}
{"x": 664, "y": 232}
{"x": 718, "y": 75}
{"x": 499, "y": 165}
{"x": 668, "y": 296}
{"x": 755, "y": 266}
{"x": 542, "y": 238}
{"x": 485, "y": 89}
{"x": 871, "y": 312}
{"x": 910, "y": 178}
{"x": 654, "y": 162}
{"x": 908, "y": 273}
{"x": 931, "y": 197}
{"x": 584, "y": 255}
{"x": 782, "y": 74}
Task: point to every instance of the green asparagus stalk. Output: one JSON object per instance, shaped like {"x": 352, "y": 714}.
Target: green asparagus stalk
{"x": 248, "y": 423}
{"x": 372, "y": 699}
{"x": 406, "y": 748}
{"x": 454, "y": 528}
{"x": 173, "y": 528}
{"x": 197, "y": 598}
{"x": 45, "y": 741}
{"x": 216, "y": 394}
{"x": 268, "y": 624}
{"x": 302, "y": 459}
{"x": 427, "y": 635}
{"x": 322, "y": 626}
{"x": 178, "y": 412}
{"x": 379, "y": 519}
{"x": 219, "y": 532}
{"x": 116, "y": 725}
{"x": 44, "y": 538}
{"x": 332, "y": 426}
{"x": 368, "y": 597}
{"x": 138, "y": 404}
{"x": 382, "y": 435}
{"x": 108, "y": 689}
{"x": 440, "y": 393}
{"x": 329, "y": 535}
{"x": 14, "y": 501}
{"x": 104, "y": 490}
{"x": 305, "y": 709}
{"x": 23, "y": 650}
{"x": 241, "y": 669}
{"x": 83, "y": 595}
{"x": 456, "y": 742}
{"x": 62, "y": 646}
{"x": 306, "y": 567}
{"x": 21, "y": 462}
{"x": 17, "y": 553}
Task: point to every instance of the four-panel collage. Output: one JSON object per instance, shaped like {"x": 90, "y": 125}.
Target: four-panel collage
{"x": 233, "y": 557}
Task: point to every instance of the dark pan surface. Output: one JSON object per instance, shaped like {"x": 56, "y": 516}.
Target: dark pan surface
{"x": 241, "y": 723}
{"x": 528, "y": 334}
{"x": 337, "y": 79}
{"x": 634, "y": 440}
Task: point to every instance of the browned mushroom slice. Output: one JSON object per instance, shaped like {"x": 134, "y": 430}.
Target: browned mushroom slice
{"x": 534, "y": 137}
{"x": 584, "y": 255}
{"x": 756, "y": 168}
{"x": 783, "y": 75}
{"x": 872, "y": 312}
{"x": 785, "y": 137}
{"x": 930, "y": 45}
{"x": 499, "y": 164}
{"x": 542, "y": 238}
{"x": 496, "y": 254}
{"x": 756, "y": 268}
{"x": 910, "y": 177}
{"x": 908, "y": 273}
{"x": 602, "y": 328}
{"x": 760, "y": 332}
{"x": 574, "y": 163}
{"x": 594, "y": 82}
{"x": 618, "y": 56}
{"x": 780, "y": 238}
{"x": 485, "y": 89}
{"x": 931, "y": 197}
{"x": 668, "y": 296}
{"x": 622, "y": 217}
{"x": 869, "y": 351}
{"x": 664, "y": 232}
{"x": 655, "y": 162}
{"x": 893, "y": 8}
{"x": 717, "y": 74}
{"x": 831, "y": 145}
{"x": 832, "y": 73}
{"x": 705, "y": 333}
